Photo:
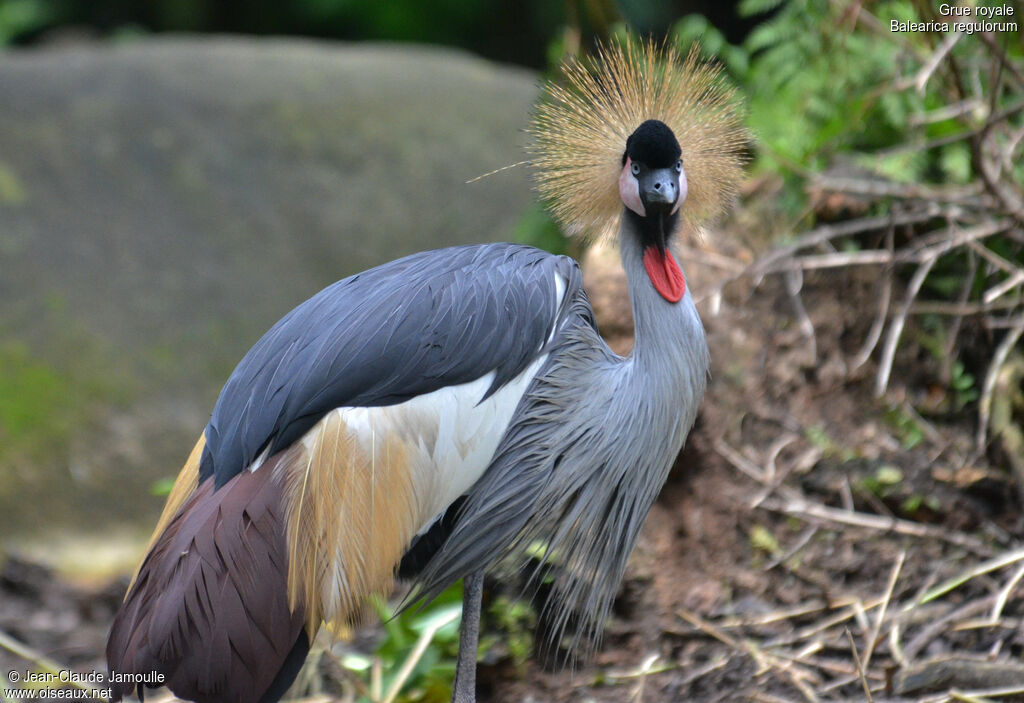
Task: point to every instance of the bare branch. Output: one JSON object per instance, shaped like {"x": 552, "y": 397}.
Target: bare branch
{"x": 896, "y": 326}
{"x": 921, "y": 79}
{"x": 998, "y": 359}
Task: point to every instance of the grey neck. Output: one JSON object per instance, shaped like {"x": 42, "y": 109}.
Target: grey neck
{"x": 663, "y": 331}
{"x": 668, "y": 369}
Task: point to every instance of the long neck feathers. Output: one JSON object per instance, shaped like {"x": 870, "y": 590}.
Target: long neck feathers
{"x": 604, "y": 486}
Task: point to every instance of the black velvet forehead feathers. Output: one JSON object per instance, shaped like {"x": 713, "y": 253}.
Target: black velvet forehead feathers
{"x": 653, "y": 144}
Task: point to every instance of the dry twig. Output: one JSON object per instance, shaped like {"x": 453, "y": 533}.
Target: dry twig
{"x": 860, "y": 666}
{"x": 998, "y": 359}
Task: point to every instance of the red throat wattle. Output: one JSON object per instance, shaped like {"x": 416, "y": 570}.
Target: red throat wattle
{"x": 665, "y": 274}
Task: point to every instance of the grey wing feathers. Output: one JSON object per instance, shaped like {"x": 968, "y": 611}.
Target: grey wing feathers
{"x": 383, "y": 336}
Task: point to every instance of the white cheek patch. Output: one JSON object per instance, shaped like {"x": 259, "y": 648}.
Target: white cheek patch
{"x": 629, "y": 190}
{"x": 682, "y": 192}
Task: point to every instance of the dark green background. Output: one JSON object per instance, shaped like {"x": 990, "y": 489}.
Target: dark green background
{"x": 517, "y": 31}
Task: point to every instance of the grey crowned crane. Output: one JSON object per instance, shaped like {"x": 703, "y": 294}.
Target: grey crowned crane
{"x": 437, "y": 414}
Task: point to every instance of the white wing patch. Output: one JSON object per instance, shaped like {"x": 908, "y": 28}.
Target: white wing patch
{"x": 450, "y": 433}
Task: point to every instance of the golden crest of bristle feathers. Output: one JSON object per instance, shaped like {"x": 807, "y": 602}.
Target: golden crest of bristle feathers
{"x": 579, "y": 132}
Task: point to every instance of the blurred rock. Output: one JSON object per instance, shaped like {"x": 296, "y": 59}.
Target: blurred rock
{"x": 163, "y": 202}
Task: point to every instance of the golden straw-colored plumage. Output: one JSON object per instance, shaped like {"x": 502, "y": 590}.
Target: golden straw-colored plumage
{"x": 580, "y": 129}
{"x": 351, "y": 515}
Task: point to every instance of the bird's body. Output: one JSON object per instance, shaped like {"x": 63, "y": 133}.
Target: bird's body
{"x": 425, "y": 418}
{"x": 325, "y": 415}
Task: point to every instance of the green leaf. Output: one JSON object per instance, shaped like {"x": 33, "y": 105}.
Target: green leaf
{"x": 161, "y": 487}
{"x": 433, "y": 616}
{"x": 955, "y": 160}
{"x": 356, "y": 662}
{"x": 762, "y": 539}
{"x": 749, "y": 8}
{"x": 889, "y": 475}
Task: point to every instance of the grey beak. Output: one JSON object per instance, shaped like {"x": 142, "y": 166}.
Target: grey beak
{"x": 659, "y": 189}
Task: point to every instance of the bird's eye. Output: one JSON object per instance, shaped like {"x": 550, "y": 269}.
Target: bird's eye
{"x": 679, "y": 166}
{"x": 636, "y": 169}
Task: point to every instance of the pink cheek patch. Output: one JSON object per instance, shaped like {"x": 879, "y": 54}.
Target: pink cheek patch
{"x": 629, "y": 190}
{"x": 682, "y": 192}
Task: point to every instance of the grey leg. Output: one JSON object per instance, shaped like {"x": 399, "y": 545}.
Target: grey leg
{"x": 464, "y": 690}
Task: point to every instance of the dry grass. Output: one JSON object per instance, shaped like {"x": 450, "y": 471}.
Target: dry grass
{"x": 880, "y": 641}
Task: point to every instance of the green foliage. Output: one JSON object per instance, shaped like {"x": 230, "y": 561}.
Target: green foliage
{"x": 508, "y": 30}
{"x": 915, "y": 502}
{"x": 713, "y": 44}
{"x": 762, "y": 539}
{"x": 37, "y": 402}
{"x": 426, "y": 641}
{"x": 42, "y": 402}
{"x": 537, "y": 229}
{"x": 820, "y": 86}
{"x": 906, "y": 428}
{"x": 513, "y": 623}
{"x": 19, "y": 17}
{"x": 963, "y": 386}
{"x": 894, "y": 120}
{"x": 932, "y": 336}
{"x": 889, "y": 484}
{"x": 162, "y": 487}
{"x": 431, "y": 678}
{"x": 884, "y": 482}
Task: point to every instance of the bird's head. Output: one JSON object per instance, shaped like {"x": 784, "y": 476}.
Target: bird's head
{"x": 640, "y": 126}
{"x": 652, "y": 183}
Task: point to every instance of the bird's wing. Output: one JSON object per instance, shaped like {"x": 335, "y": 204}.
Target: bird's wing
{"x": 405, "y": 329}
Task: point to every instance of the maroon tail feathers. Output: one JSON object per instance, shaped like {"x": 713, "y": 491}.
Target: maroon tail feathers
{"x": 209, "y": 607}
